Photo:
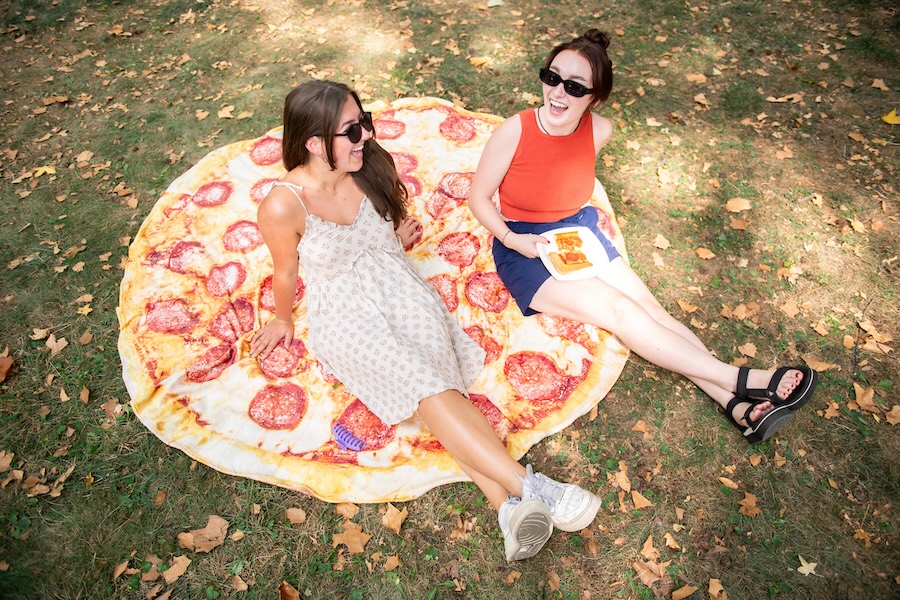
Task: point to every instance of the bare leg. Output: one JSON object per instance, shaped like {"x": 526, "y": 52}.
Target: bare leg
{"x": 465, "y": 432}
{"x": 600, "y": 303}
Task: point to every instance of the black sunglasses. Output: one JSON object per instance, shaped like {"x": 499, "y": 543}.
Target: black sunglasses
{"x": 354, "y": 132}
{"x": 573, "y": 88}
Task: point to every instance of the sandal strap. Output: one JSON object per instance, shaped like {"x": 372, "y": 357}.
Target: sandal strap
{"x": 729, "y": 411}
{"x": 741, "y": 389}
{"x": 770, "y": 392}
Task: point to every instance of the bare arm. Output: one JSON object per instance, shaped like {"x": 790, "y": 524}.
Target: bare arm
{"x": 492, "y": 168}
{"x": 281, "y": 219}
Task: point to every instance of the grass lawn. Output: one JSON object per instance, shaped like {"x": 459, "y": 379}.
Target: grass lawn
{"x": 751, "y": 129}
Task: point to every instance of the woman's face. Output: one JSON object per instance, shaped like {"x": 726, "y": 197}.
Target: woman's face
{"x": 348, "y": 156}
{"x": 561, "y": 107}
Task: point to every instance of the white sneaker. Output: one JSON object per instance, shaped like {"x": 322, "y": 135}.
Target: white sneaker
{"x": 526, "y": 527}
{"x": 571, "y": 507}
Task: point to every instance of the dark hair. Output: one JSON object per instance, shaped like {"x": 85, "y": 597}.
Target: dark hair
{"x": 592, "y": 45}
{"x": 313, "y": 109}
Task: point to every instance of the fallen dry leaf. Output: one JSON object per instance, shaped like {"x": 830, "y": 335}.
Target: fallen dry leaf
{"x": 661, "y": 242}
{"x": 640, "y": 502}
{"x": 353, "y": 537}
{"x": 748, "y": 506}
{"x": 391, "y": 563}
{"x": 705, "y": 254}
{"x": 295, "y": 515}
{"x": 806, "y": 568}
{"x": 737, "y": 205}
{"x": 893, "y": 417}
{"x": 287, "y": 592}
{"x": 204, "y": 540}
{"x": 176, "y": 569}
{"x": 393, "y": 518}
{"x": 347, "y": 510}
{"x": 683, "y": 592}
{"x": 648, "y": 551}
{"x": 728, "y": 483}
{"x": 716, "y": 591}
{"x": 6, "y": 362}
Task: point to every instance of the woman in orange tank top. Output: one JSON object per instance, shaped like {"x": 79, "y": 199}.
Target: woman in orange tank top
{"x": 541, "y": 162}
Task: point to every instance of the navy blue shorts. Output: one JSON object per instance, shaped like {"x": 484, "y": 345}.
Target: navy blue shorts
{"x": 523, "y": 276}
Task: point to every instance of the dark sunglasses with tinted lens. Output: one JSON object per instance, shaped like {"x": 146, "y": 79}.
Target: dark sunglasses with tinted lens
{"x": 354, "y": 132}
{"x": 573, "y": 88}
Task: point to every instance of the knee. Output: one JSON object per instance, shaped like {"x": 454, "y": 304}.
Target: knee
{"x": 623, "y": 309}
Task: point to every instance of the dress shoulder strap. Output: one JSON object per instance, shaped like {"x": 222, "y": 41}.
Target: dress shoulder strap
{"x": 296, "y": 189}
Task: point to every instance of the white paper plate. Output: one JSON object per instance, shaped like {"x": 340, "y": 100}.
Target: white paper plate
{"x": 590, "y": 245}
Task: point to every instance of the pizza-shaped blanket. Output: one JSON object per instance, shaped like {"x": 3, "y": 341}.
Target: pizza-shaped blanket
{"x": 199, "y": 282}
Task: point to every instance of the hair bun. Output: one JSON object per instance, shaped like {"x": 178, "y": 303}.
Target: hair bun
{"x": 597, "y": 37}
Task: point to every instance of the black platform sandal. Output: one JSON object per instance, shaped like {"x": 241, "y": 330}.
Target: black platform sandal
{"x": 801, "y": 395}
{"x": 767, "y": 425}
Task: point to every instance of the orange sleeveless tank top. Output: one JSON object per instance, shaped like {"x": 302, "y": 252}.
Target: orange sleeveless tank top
{"x": 550, "y": 177}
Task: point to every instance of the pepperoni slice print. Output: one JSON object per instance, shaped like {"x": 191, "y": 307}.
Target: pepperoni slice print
{"x": 281, "y": 361}
{"x": 487, "y": 408}
{"x": 243, "y": 236}
{"x": 266, "y": 151}
{"x": 457, "y": 185}
{"x": 170, "y": 316}
{"x": 446, "y": 289}
{"x": 492, "y": 349}
{"x": 404, "y": 163}
{"x": 212, "y": 194}
{"x": 187, "y": 258}
{"x": 605, "y": 223}
{"x": 536, "y": 379}
{"x": 363, "y": 423}
{"x": 267, "y": 296}
{"x": 211, "y": 364}
{"x": 224, "y": 280}
{"x": 278, "y": 406}
{"x": 457, "y": 129}
{"x": 234, "y": 320}
{"x": 459, "y": 248}
{"x": 413, "y": 185}
{"x": 389, "y": 129}
{"x": 486, "y": 291}
{"x": 261, "y": 189}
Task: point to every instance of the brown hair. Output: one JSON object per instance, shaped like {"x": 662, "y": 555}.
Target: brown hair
{"x": 313, "y": 109}
{"x": 592, "y": 45}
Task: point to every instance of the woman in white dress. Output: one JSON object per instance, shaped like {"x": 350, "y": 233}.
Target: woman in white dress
{"x": 373, "y": 322}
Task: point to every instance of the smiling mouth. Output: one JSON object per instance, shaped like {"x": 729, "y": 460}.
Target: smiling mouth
{"x": 556, "y": 104}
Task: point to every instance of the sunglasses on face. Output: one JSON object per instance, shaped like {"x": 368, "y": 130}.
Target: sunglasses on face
{"x": 572, "y": 88}
{"x": 354, "y": 132}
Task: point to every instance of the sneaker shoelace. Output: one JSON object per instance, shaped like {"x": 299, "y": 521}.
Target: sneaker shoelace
{"x": 542, "y": 487}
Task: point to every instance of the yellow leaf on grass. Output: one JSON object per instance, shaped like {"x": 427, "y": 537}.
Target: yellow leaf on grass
{"x": 780, "y": 461}
{"x": 204, "y": 540}
{"x": 640, "y": 426}
{"x": 748, "y": 349}
{"x": 892, "y": 118}
{"x": 705, "y": 254}
{"x": 739, "y": 224}
{"x": 661, "y": 242}
{"x": 391, "y": 563}
{"x": 879, "y": 84}
{"x": 640, "y": 502}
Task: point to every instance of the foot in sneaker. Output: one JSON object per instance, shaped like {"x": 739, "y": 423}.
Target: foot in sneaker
{"x": 526, "y": 527}
{"x": 571, "y": 507}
